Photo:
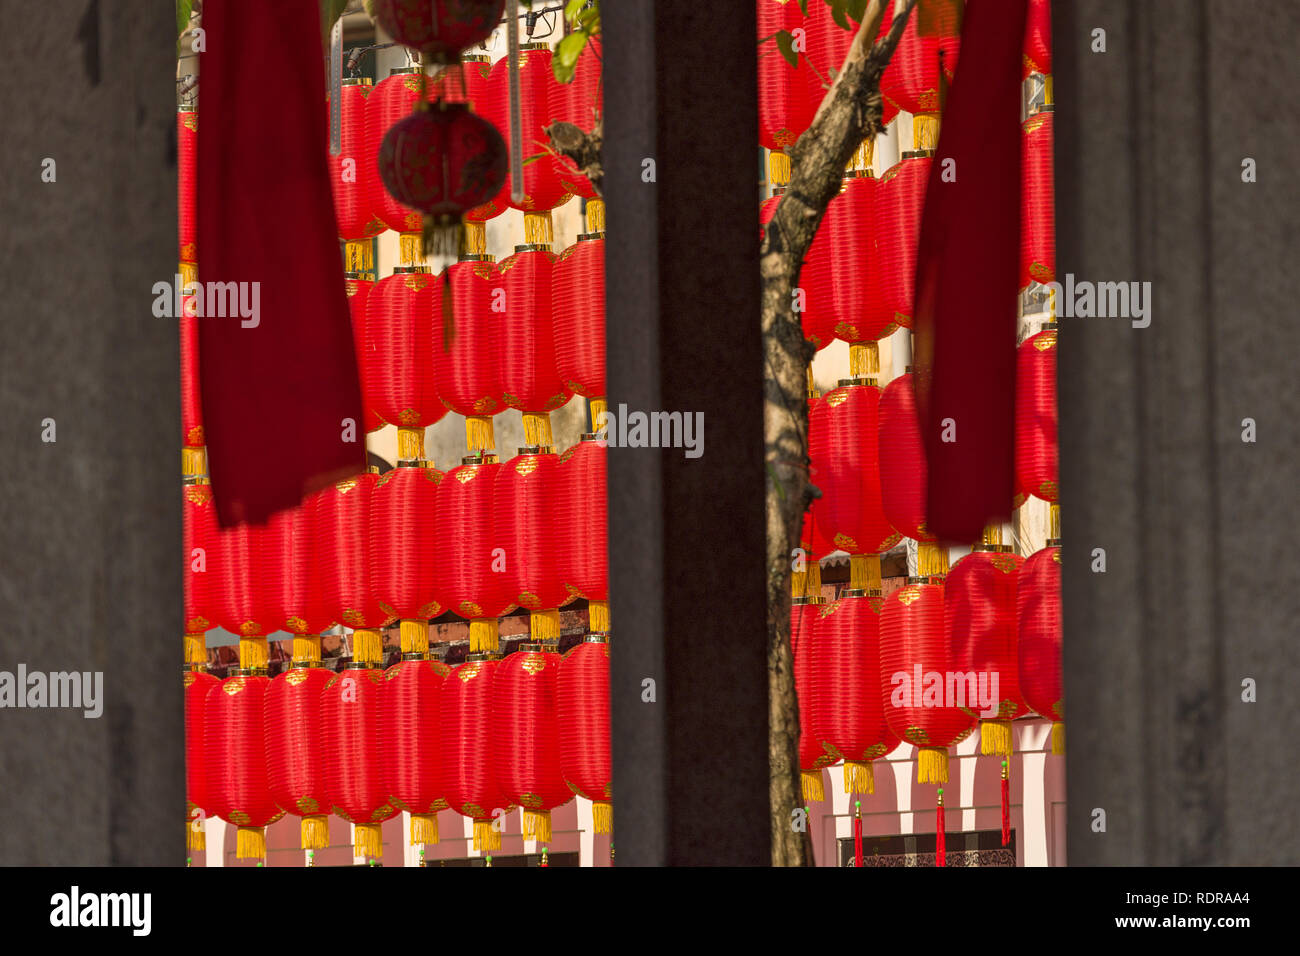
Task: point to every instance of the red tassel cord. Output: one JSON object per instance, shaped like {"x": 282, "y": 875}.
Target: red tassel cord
{"x": 940, "y": 855}
{"x": 1006, "y": 806}
{"x": 857, "y": 833}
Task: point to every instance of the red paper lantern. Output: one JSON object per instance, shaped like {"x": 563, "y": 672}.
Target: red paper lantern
{"x": 474, "y": 787}
{"x": 929, "y": 47}
{"x": 295, "y": 749}
{"x": 405, "y": 559}
{"x": 842, "y": 442}
{"x": 902, "y": 459}
{"x": 526, "y": 489}
{"x": 356, "y": 774}
{"x": 351, "y": 170}
{"x": 235, "y": 725}
{"x": 785, "y": 106}
{"x": 358, "y": 290}
{"x": 1037, "y": 470}
{"x": 813, "y": 757}
{"x": 1038, "y": 198}
{"x": 438, "y": 29}
{"x": 391, "y": 101}
{"x": 187, "y": 134}
{"x": 1038, "y": 617}
{"x": 342, "y": 521}
{"x": 846, "y": 710}
{"x": 527, "y": 348}
{"x": 915, "y": 660}
{"x": 1038, "y": 38}
{"x": 581, "y": 510}
{"x": 850, "y": 223}
{"x": 475, "y": 575}
{"x": 582, "y": 715}
{"x": 544, "y": 178}
{"x": 980, "y": 620}
{"x": 578, "y": 316}
{"x": 198, "y": 772}
{"x": 397, "y": 366}
{"x": 414, "y": 760}
{"x": 467, "y": 368}
{"x": 580, "y": 102}
{"x": 900, "y": 199}
{"x": 525, "y": 733}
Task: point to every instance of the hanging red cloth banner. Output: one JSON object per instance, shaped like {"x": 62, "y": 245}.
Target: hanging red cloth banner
{"x": 277, "y": 367}
{"x": 966, "y": 288}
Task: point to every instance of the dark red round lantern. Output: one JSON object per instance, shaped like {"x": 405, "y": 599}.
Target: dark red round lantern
{"x": 475, "y": 576}
{"x": 902, "y": 459}
{"x": 198, "y": 772}
{"x": 1037, "y": 471}
{"x": 526, "y": 735}
{"x": 414, "y": 759}
{"x": 846, "y": 710}
{"x": 356, "y": 775}
{"x": 526, "y": 350}
{"x": 1038, "y": 38}
{"x": 467, "y": 368}
{"x": 392, "y": 100}
{"x": 397, "y": 366}
{"x": 358, "y": 288}
{"x": 406, "y": 561}
{"x": 900, "y": 199}
{"x": 544, "y": 185}
{"x": 582, "y": 714}
{"x": 351, "y": 173}
{"x": 915, "y": 660}
{"x": 525, "y": 491}
{"x": 1038, "y": 618}
{"x": 474, "y": 787}
{"x": 805, "y": 613}
{"x": 235, "y": 725}
{"x": 295, "y": 749}
{"x": 438, "y": 29}
{"x": 1037, "y": 201}
{"x": 578, "y": 317}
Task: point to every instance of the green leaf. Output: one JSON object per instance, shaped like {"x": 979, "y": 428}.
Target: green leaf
{"x": 785, "y": 43}
{"x": 566, "y": 56}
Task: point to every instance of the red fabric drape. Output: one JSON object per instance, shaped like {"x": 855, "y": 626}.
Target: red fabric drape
{"x": 275, "y": 392}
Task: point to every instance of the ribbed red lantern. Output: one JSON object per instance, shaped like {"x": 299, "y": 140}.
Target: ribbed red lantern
{"x": 358, "y": 289}
{"x": 527, "y": 349}
{"x": 544, "y": 186}
{"x": 406, "y": 559}
{"x": 900, "y": 199}
{"x": 438, "y": 29}
{"x": 580, "y": 102}
{"x": 1038, "y": 618}
{"x": 582, "y": 714}
{"x": 356, "y": 775}
{"x": 467, "y": 368}
{"x": 392, "y": 100}
{"x": 578, "y": 319}
{"x": 980, "y": 620}
{"x": 582, "y": 511}
{"x": 842, "y": 441}
{"x": 235, "y": 726}
{"x": 342, "y": 521}
{"x": 930, "y": 45}
{"x": 846, "y": 709}
{"x": 526, "y": 735}
{"x": 902, "y": 459}
{"x": 813, "y": 757}
{"x": 187, "y": 133}
{"x": 295, "y": 749}
{"x": 198, "y": 772}
{"x": 785, "y": 104}
{"x": 474, "y": 787}
{"x": 475, "y": 579}
{"x": 1037, "y": 471}
{"x": 1037, "y": 201}
{"x": 351, "y": 173}
{"x": 525, "y": 491}
{"x": 397, "y": 367}
{"x": 414, "y": 759}
{"x": 913, "y": 650}
{"x": 1038, "y": 38}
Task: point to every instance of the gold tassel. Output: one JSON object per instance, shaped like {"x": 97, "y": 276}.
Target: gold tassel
{"x": 484, "y": 634}
{"x": 538, "y": 229}
{"x": 599, "y": 407}
{"x": 778, "y": 168}
{"x": 253, "y": 652}
{"x": 366, "y": 841}
{"x": 544, "y": 625}
{"x": 925, "y": 131}
{"x": 414, "y": 636}
{"x": 358, "y": 256}
{"x": 196, "y": 835}
{"x": 486, "y": 836}
{"x": 194, "y": 461}
{"x": 315, "y": 832}
{"x": 473, "y": 239}
{"x": 864, "y": 572}
{"x": 306, "y": 648}
{"x": 598, "y": 616}
{"x": 859, "y": 777}
{"x": 424, "y": 828}
{"x": 864, "y": 359}
{"x": 1054, "y": 520}
{"x": 196, "y": 649}
{"x": 537, "y": 429}
{"x": 410, "y": 444}
{"x": 995, "y": 737}
{"x": 595, "y": 215}
{"x": 811, "y": 781}
{"x": 931, "y": 560}
{"x": 250, "y": 843}
{"x": 367, "y": 646}
{"x": 410, "y": 248}
{"x": 537, "y": 825}
{"x": 1058, "y": 737}
{"x": 932, "y": 765}
{"x": 602, "y": 815}
{"x": 479, "y": 434}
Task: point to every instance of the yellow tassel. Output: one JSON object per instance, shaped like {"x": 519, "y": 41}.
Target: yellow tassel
{"x": 410, "y": 248}
{"x": 599, "y": 408}
{"x": 598, "y": 616}
{"x": 196, "y": 649}
{"x": 537, "y": 429}
{"x": 410, "y": 444}
{"x": 864, "y": 359}
{"x": 306, "y": 647}
{"x": 484, "y": 634}
{"x": 1058, "y": 737}
{"x": 538, "y": 229}
{"x": 778, "y": 168}
{"x": 414, "y": 636}
{"x": 367, "y": 842}
{"x": 811, "y": 781}
{"x": 544, "y": 625}
{"x": 595, "y": 215}
{"x": 995, "y": 737}
{"x": 424, "y": 828}
{"x": 196, "y": 835}
{"x": 486, "y": 837}
{"x": 250, "y": 843}
{"x": 864, "y": 572}
{"x": 479, "y": 434}
{"x": 602, "y": 815}
{"x": 358, "y": 256}
{"x": 1054, "y": 519}
{"x": 859, "y": 777}
{"x": 315, "y": 832}
{"x": 473, "y": 239}
{"x": 194, "y": 461}
{"x": 932, "y": 765}
{"x": 367, "y": 646}
{"x": 253, "y": 651}
{"x": 537, "y": 825}
{"x": 925, "y": 131}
